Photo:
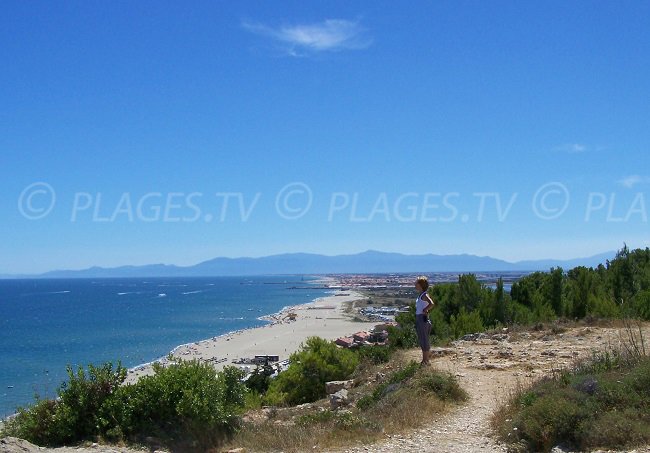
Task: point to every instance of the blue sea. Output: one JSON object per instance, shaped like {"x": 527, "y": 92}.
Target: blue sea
{"x": 47, "y": 324}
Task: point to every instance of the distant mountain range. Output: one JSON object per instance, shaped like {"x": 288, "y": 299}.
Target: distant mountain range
{"x": 368, "y": 262}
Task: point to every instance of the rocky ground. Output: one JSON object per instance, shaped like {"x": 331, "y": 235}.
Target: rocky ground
{"x": 13, "y": 445}
{"x": 489, "y": 367}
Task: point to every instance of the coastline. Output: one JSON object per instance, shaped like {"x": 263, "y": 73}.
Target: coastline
{"x": 324, "y": 317}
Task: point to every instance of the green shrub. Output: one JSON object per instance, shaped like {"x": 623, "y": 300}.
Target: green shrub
{"x": 317, "y": 417}
{"x": 376, "y": 354}
{"x": 45, "y": 423}
{"x": 396, "y": 378}
{"x": 600, "y": 403}
{"x": 317, "y": 362}
{"x": 403, "y": 335}
{"x": 443, "y": 385}
{"x": 638, "y": 379}
{"x": 520, "y": 314}
{"x": 260, "y": 379}
{"x": 642, "y": 304}
{"x": 182, "y": 399}
{"x": 253, "y": 400}
{"x": 548, "y": 421}
{"x": 83, "y": 394}
{"x": 600, "y": 307}
{"x": 466, "y": 322}
{"x": 625, "y": 428}
{"x": 440, "y": 329}
{"x": 542, "y": 311}
{"x": 73, "y": 416}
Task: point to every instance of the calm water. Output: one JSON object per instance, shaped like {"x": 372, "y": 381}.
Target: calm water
{"x": 46, "y": 324}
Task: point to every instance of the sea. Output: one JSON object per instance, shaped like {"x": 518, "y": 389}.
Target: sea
{"x": 47, "y": 324}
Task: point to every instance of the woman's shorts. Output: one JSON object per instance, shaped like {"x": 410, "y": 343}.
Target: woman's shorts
{"x": 423, "y": 329}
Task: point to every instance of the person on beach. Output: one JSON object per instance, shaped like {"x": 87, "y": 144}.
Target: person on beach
{"x": 423, "y": 304}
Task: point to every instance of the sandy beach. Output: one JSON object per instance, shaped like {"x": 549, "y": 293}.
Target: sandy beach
{"x": 323, "y": 317}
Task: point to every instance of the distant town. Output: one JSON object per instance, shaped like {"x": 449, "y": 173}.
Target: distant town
{"x": 395, "y": 280}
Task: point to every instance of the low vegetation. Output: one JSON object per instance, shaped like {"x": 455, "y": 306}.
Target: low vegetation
{"x": 381, "y": 404}
{"x": 602, "y": 402}
{"x": 186, "y": 400}
{"x": 317, "y": 362}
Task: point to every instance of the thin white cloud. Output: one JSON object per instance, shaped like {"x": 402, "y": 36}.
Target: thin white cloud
{"x": 329, "y": 35}
{"x": 572, "y": 148}
{"x": 633, "y": 180}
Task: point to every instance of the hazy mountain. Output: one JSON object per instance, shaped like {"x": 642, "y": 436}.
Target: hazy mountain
{"x": 307, "y": 263}
{"x": 591, "y": 261}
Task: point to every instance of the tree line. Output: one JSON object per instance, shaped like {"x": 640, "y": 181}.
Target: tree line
{"x": 617, "y": 288}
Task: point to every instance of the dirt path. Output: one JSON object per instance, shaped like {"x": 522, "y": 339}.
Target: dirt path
{"x": 489, "y": 368}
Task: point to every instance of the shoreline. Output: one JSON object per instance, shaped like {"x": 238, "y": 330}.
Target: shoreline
{"x": 321, "y": 280}
{"x": 323, "y": 316}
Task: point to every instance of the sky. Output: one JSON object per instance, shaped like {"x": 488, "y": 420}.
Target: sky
{"x": 175, "y": 132}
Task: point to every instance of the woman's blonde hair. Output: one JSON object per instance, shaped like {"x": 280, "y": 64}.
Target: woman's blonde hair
{"x": 423, "y": 281}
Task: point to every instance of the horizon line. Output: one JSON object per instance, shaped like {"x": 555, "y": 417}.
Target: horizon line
{"x": 23, "y": 275}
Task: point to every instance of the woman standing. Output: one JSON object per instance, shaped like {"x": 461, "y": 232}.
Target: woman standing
{"x": 422, "y": 324}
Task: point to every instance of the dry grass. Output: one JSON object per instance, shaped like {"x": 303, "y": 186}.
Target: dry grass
{"x": 632, "y": 339}
{"x": 393, "y": 415}
{"x": 429, "y": 390}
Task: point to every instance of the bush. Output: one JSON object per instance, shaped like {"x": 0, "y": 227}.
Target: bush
{"x": 600, "y": 403}
{"x": 73, "y": 416}
{"x": 317, "y": 362}
{"x": 521, "y": 314}
{"x": 45, "y": 423}
{"x": 618, "y": 428}
{"x": 443, "y": 385}
{"x": 603, "y": 307}
{"x": 376, "y": 354}
{"x": 394, "y": 380}
{"x": 403, "y": 336}
{"x": 182, "y": 399}
{"x": 187, "y": 397}
{"x": 550, "y": 420}
{"x": 466, "y": 322}
{"x": 83, "y": 395}
{"x": 642, "y": 305}
{"x": 252, "y": 401}
{"x": 440, "y": 329}
{"x": 260, "y": 379}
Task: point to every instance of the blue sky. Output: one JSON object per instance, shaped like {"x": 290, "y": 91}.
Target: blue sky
{"x": 106, "y": 102}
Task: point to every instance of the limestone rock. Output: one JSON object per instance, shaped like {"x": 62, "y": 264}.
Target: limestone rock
{"x": 15, "y": 445}
{"x": 334, "y": 386}
{"x": 339, "y": 399}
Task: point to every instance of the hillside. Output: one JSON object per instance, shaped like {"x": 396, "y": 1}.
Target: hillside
{"x": 488, "y": 366}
